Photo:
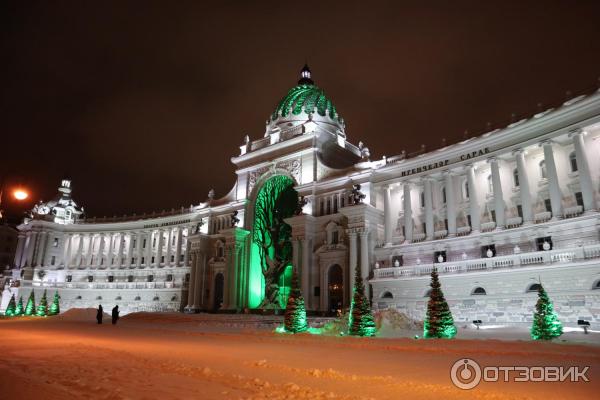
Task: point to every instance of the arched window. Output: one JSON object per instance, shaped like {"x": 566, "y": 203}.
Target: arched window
{"x": 534, "y": 287}
{"x": 427, "y": 293}
{"x": 118, "y": 298}
{"x": 478, "y": 291}
{"x": 387, "y": 295}
{"x": 137, "y": 298}
{"x": 423, "y": 199}
{"x": 573, "y": 162}
{"x": 516, "y": 177}
{"x": 490, "y": 184}
{"x": 597, "y": 285}
{"x": 466, "y": 189}
{"x": 174, "y": 298}
{"x": 444, "y": 195}
{"x": 98, "y": 297}
{"x": 543, "y": 172}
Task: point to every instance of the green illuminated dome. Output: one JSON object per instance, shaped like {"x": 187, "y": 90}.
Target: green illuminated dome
{"x": 305, "y": 97}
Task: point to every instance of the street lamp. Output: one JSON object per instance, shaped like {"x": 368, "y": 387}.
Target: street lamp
{"x": 18, "y": 194}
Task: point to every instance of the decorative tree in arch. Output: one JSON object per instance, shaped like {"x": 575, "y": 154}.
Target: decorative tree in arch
{"x": 275, "y": 201}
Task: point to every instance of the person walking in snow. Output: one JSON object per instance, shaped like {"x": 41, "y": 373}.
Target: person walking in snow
{"x": 99, "y": 314}
{"x": 115, "y": 314}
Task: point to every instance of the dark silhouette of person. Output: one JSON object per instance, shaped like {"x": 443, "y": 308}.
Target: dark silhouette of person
{"x": 99, "y": 314}
{"x": 115, "y": 314}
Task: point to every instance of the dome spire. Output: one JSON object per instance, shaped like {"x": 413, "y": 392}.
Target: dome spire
{"x": 305, "y": 76}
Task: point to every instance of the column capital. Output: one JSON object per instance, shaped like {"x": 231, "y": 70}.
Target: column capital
{"x": 546, "y": 142}
{"x": 576, "y": 132}
{"x": 492, "y": 159}
{"x": 351, "y": 232}
{"x": 518, "y": 151}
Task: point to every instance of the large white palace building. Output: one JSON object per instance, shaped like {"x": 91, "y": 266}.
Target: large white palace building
{"x": 496, "y": 214}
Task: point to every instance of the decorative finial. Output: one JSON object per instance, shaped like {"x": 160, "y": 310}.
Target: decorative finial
{"x": 305, "y": 76}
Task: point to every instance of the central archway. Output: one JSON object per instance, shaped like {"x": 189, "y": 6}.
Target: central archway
{"x": 271, "y": 252}
{"x": 335, "y": 289}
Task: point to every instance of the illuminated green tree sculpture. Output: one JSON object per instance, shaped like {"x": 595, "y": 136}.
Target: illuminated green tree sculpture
{"x": 361, "y": 322}
{"x": 275, "y": 201}
{"x": 30, "y": 308}
{"x": 19, "y": 310}
{"x": 295, "y": 313}
{"x": 11, "y": 307}
{"x": 546, "y": 325}
{"x": 42, "y": 308}
{"x": 438, "y": 321}
{"x": 55, "y": 306}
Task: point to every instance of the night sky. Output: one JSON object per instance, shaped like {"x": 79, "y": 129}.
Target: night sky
{"x": 142, "y": 104}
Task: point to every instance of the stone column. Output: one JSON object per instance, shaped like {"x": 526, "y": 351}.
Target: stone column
{"x": 139, "y": 249}
{"x": 67, "y": 250}
{"x": 130, "y": 250}
{"x": 450, "y": 204}
{"x": 159, "y": 247}
{"x": 148, "y": 257}
{"x": 387, "y": 215}
{"x": 473, "y": 200}
{"x": 352, "y": 258}
{"x": 78, "y": 260}
{"x": 583, "y": 167}
{"x": 198, "y": 291}
{"x": 408, "y": 222}
{"x": 428, "y": 208}
{"x": 305, "y": 280}
{"x": 178, "y": 248}
{"x": 499, "y": 206}
{"x": 553, "y": 185}
{"x": 29, "y": 249}
{"x": 42, "y": 238}
{"x": 101, "y": 245}
{"x": 524, "y": 187}
{"x": 110, "y": 249}
{"x": 90, "y": 250}
{"x": 19, "y": 254}
{"x": 186, "y": 250}
{"x": 364, "y": 259}
{"x": 192, "y": 284}
{"x": 169, "y": 247}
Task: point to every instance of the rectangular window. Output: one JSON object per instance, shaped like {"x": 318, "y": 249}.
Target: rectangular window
{"x": 424, "y": 227}
{"x": 548, "y": 205}
{"x": 69, "y": 278}
{"x": 152, "y": 260}
{"x": 493, "y": 212}
{"x": 133, "y": 260}
{"x": 520, "y": 210}
{"x": 540, "y": 243}
{"x": 144, "y": 244}
{"x": 111, "y": 278}
{"x": 133, "y": 243}
{"x": 53, "y": 261}
{"x": 334, "y": 237}
{"x": 172, "y": 258}
{"x": 484, "y": 251}
{"x": 55, "y": 242}
{"x": 437, "y": 255}
{"x": 317, "y": 291}
{"x": 162, "y": 259}
{"x": 446, "y": 224}
{"x": 173, "y": 241}
{"x": 328, "y": 206}
{"x": 143, "y": 260}
{"x": 90, "y": 278}
{"x": 397, "y": 261}
{"x": 322, "y": 207}
{"x": 169, "y": 278}
{"x": 187, "y": 277}
{"x": 150, "y": 278}
{"x": 154, "y": 242}
{"x": 469, "y": 220}
{"x": 181, "y": 258}
{"x": 579, "y": 199}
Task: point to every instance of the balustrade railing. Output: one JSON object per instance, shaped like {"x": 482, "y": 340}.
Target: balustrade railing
{"x": 556, "y": 256}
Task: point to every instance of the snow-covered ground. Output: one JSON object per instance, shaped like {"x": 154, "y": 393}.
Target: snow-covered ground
{"x": 176, "y": 356}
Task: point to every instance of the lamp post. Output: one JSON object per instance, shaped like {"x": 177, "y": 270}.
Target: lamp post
{"x": 17, "y": 193}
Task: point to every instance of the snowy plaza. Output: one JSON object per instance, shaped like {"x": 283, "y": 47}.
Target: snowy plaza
{"x": 208, "y": 356}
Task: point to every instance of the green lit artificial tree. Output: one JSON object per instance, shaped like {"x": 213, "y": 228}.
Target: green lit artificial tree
{"x": 361, "y": 322}
{"x": 19, "y": 310}
{"x": 42, "y": 308}
{"x": 546, "y": 325}
{"x": 30, "y": 308}
{"x": 438, "y": 321}
{"x": 295, "y": 313}
{"x": 11, "y": 308}
{"x": 55, "y": 306}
